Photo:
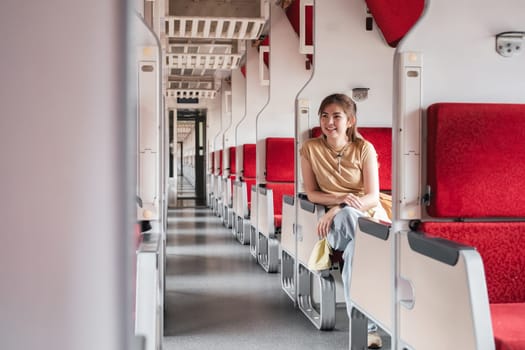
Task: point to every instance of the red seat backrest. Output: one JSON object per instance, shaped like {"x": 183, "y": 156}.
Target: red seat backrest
{"x": 219, "y": 166}
{"x": 381, "y": 138}
{"x": 476, "y": 159}
{"x": 212, "y": 163}
{"x": 316, "y": 132}
{"x": 249, "y": 160}
{"x": 280, "y": 159}
{"x": 231, "y": 152}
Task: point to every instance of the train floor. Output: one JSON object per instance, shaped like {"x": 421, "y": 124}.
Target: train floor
{"x": 218, "y": 297}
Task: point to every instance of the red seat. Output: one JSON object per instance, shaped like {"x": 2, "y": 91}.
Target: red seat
{"x": 231, "y": 152}
{"x": 248, "y": 169}
{"x": 219, "y": 166}
{"x": 475, "y": 167}
{"x": 507, "y": 325}
{"x": 280, "y": 172}
{"x": 232, "y": 169}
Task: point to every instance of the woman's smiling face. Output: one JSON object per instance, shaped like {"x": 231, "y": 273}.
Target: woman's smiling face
{"x": 334, "y": 122}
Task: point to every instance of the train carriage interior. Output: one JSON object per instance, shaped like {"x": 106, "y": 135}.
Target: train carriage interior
{"x": 154, "y": 195}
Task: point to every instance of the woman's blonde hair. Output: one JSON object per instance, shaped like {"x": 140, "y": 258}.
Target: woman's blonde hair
{"x": 350, "y": 109}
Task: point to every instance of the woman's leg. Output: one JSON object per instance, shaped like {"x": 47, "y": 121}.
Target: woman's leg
{"x": 341, "y": 237}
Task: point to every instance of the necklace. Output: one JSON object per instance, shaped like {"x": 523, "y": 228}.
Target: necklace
{"x": 339, "y": 155}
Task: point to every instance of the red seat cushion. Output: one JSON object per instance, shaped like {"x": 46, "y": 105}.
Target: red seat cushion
{"x": 508, "y": 325}
{"x": 279, "y": 190}
{"x": 501, "y": 246}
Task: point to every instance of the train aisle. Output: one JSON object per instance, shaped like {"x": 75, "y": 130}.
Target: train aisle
{"x": 217, "y": 297}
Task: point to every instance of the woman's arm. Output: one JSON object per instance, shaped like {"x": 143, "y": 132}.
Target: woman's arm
{"x": 371, "y": 184}
{"x": 315, "y": 195}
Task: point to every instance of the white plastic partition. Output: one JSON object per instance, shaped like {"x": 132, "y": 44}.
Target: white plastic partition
{"x": 149, "y": 289}
{"x": 68, "y": 198}
{"x": 150, "y": 124}
{"x": 149, "y": 298}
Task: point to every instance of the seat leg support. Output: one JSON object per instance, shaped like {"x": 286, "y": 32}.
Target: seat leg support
{"x": 288, "y": 274}
{"x": 243, "y": 230}
{"x": 268, "y": 255}
{"x": 229, "y": 216}
{"x": 321, "y": 313}
{"x": 358, "y": 330}
{"x": 254, "y": 241}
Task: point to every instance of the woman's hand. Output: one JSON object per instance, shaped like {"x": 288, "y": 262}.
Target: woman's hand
{"x": 323, "y": 225}
{"x": 352, "y": 201}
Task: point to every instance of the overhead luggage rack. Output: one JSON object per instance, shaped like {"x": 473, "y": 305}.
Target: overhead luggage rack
{"x": 214, "y": 27}
{"x": 187, "y": 93}
{"x": 203, "y": 61}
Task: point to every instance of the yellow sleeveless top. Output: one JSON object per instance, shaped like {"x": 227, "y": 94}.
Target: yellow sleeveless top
{"x": 325, "y": 165}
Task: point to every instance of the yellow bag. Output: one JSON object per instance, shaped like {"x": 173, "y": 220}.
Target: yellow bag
{"x": 320, "y": 256}
{"x": 386, "y": 203}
